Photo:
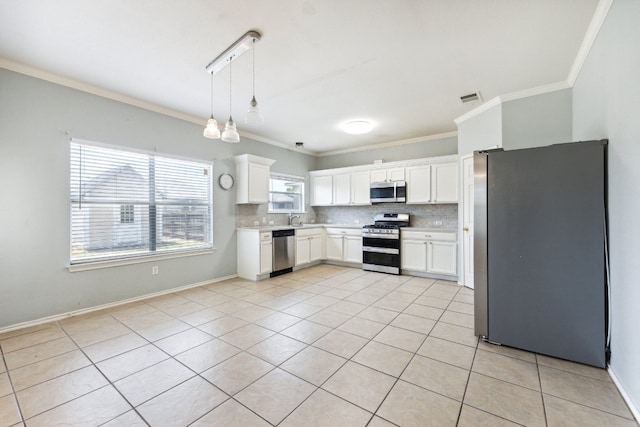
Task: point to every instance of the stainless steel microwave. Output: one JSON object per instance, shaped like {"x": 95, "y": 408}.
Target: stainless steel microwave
{"x": 388, "y": 192}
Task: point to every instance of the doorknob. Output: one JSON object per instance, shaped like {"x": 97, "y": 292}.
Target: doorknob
{"x": 466, "y": 229}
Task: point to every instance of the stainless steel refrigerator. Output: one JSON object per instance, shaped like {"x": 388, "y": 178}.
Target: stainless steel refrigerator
{"x": 540, "y": 250}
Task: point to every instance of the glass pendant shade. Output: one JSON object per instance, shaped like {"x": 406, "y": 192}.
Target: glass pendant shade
{"x": 212, "y": 131}
{"x": 230, "y": 134}
{"x": 253, "y": 116}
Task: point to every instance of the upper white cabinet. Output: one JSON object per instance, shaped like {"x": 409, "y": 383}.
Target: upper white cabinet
{"x": 429, "y": 180}
{"x": 342, "y": 188}
{"x": 360, "y": 184}
{"x": 419, "y": 184}
{"x": 252, "y": 176}
{"x": 391, "y": 174}
{"x": 434, "y": 183}
{"x": 321, "y": 190}
{"x": 444, "y": 183}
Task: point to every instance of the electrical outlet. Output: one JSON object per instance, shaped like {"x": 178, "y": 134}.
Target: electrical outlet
{"x": 256, "y": 222}
{"x": 356, "y": 221}
{"x": 154, "y": 269}
{"x": 328, "y": 221}
{"x": 270, "y": 222}
{"x": 437, "y": 223}
{"x": 264, "y": 219}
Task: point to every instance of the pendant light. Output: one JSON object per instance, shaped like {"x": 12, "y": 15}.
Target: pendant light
{"x": 230, "y": 133}
{"x": 211, "y": 130}
{"x": 253, "y": 116}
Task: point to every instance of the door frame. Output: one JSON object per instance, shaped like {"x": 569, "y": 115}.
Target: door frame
{"x": 462, "y": 276}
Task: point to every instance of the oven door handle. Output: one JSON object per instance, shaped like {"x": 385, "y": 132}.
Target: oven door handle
{"x": 389, "y": 236}
{"x": 389, "y": 251}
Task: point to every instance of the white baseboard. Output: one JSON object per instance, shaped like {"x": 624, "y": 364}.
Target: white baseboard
{"x": 56, "y": 317}
{"x": 625, "y": 396}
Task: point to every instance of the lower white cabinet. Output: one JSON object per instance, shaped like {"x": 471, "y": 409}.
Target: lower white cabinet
{"x": 429, "y": 252}
{"x": 344, "y": 244}
{"x": 255, "y": 253}
{"x": 308, "y": 245}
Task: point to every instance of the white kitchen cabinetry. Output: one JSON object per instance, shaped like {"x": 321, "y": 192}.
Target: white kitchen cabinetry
{"x": 255, "y": 252}
{"x": 360, "y": 185}
{"x": 252, "y": 176}
{"x": 392, "y": 174}
{"x": 308, "y": 245}
{"x": 321, "y": 190}
{"x": 436, "y": 183}
{"x": 342, "y": 188}
{"x": 429, "y": 252}
{"x": 344, "y": 245}
{"x": 444, "y": 183}
{"x": 419, "y": 184}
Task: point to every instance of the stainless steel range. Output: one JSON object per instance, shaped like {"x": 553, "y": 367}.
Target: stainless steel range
{"x": 381, "y": 243}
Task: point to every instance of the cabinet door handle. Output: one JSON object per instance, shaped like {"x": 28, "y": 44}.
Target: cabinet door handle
{"x": 465, "y": 229}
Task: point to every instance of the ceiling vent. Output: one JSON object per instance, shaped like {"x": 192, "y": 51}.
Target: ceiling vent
{"x": 472, "y": 97}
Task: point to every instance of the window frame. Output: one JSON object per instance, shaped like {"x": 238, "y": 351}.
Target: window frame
{"x": 112, "y": 256}
{"x": 285, "y": 177}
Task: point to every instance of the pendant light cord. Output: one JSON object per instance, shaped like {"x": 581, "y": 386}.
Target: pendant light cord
{"x": 230, "y": 68}
{"x": 211, "y": 94}
{"x": 253, "y": 54}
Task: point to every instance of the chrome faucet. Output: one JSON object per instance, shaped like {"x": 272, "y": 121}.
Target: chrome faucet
{"x": 293, "y": 217}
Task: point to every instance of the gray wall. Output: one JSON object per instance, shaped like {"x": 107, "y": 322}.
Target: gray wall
{"x": 606, "y": 104}
{"x": 34, "y": 215}
{"x": 481, "y": 131}
{"x": 417, "y": 150}
{"x": 537, "y": 120}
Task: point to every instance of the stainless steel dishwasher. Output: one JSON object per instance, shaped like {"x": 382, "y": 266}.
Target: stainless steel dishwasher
{"x": 284, "y": 246}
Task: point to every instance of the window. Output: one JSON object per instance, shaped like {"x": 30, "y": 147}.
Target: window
{"x": 126, "y": 214}
{"x": 286, "y": 194}
{"x": 127, "y": 203}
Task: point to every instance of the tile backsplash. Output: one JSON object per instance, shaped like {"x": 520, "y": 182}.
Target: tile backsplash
{"x": 424, "y": 216}
{"x": 247, "y": 215}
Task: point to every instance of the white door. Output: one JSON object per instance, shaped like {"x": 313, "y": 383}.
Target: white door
{"x": 444, "y": 183}
{"x": 266, "y": 250}
{"x": 360, "y": 188}
{"x": 419, "y": 184}
{"x": 467, "y": 221}
{"x": 322, "y": 190}
{"x": 315, "y": 248}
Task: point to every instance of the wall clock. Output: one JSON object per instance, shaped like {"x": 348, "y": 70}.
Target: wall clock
{"x": 225, "y": 181}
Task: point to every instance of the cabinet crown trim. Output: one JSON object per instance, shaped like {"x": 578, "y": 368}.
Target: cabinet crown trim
{"x": 250, "y": 158}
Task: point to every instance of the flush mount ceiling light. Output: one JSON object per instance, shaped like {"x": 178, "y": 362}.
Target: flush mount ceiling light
{"x": 233, "y": 52}
{"x": 357, "y": 127}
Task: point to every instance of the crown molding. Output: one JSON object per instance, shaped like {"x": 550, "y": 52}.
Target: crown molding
{"x": 389, "y": 144}
{"x": 478, "y": 110}
{"x": 592, "y": 32}
{"x": 115, "y": 96}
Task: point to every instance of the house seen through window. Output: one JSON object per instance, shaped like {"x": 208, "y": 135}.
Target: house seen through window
{"x": 286, "y": 194}
{"x": 127, "y": 203}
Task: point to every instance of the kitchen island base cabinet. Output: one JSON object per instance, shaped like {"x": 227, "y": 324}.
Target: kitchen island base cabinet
{"x": 255, "y": 254}
{"x": 432, "y": 254}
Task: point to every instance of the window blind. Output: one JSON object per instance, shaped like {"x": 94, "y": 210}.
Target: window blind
{"x": 127, "y": 203}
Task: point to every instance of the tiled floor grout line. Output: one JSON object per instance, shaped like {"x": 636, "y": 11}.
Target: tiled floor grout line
{"x": 299, "y": 287}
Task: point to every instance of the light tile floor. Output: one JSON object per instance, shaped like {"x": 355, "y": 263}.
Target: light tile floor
{"x": 324, "y": 346}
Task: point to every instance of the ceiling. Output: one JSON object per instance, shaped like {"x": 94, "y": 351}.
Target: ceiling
{"x": 400, "y": 64}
